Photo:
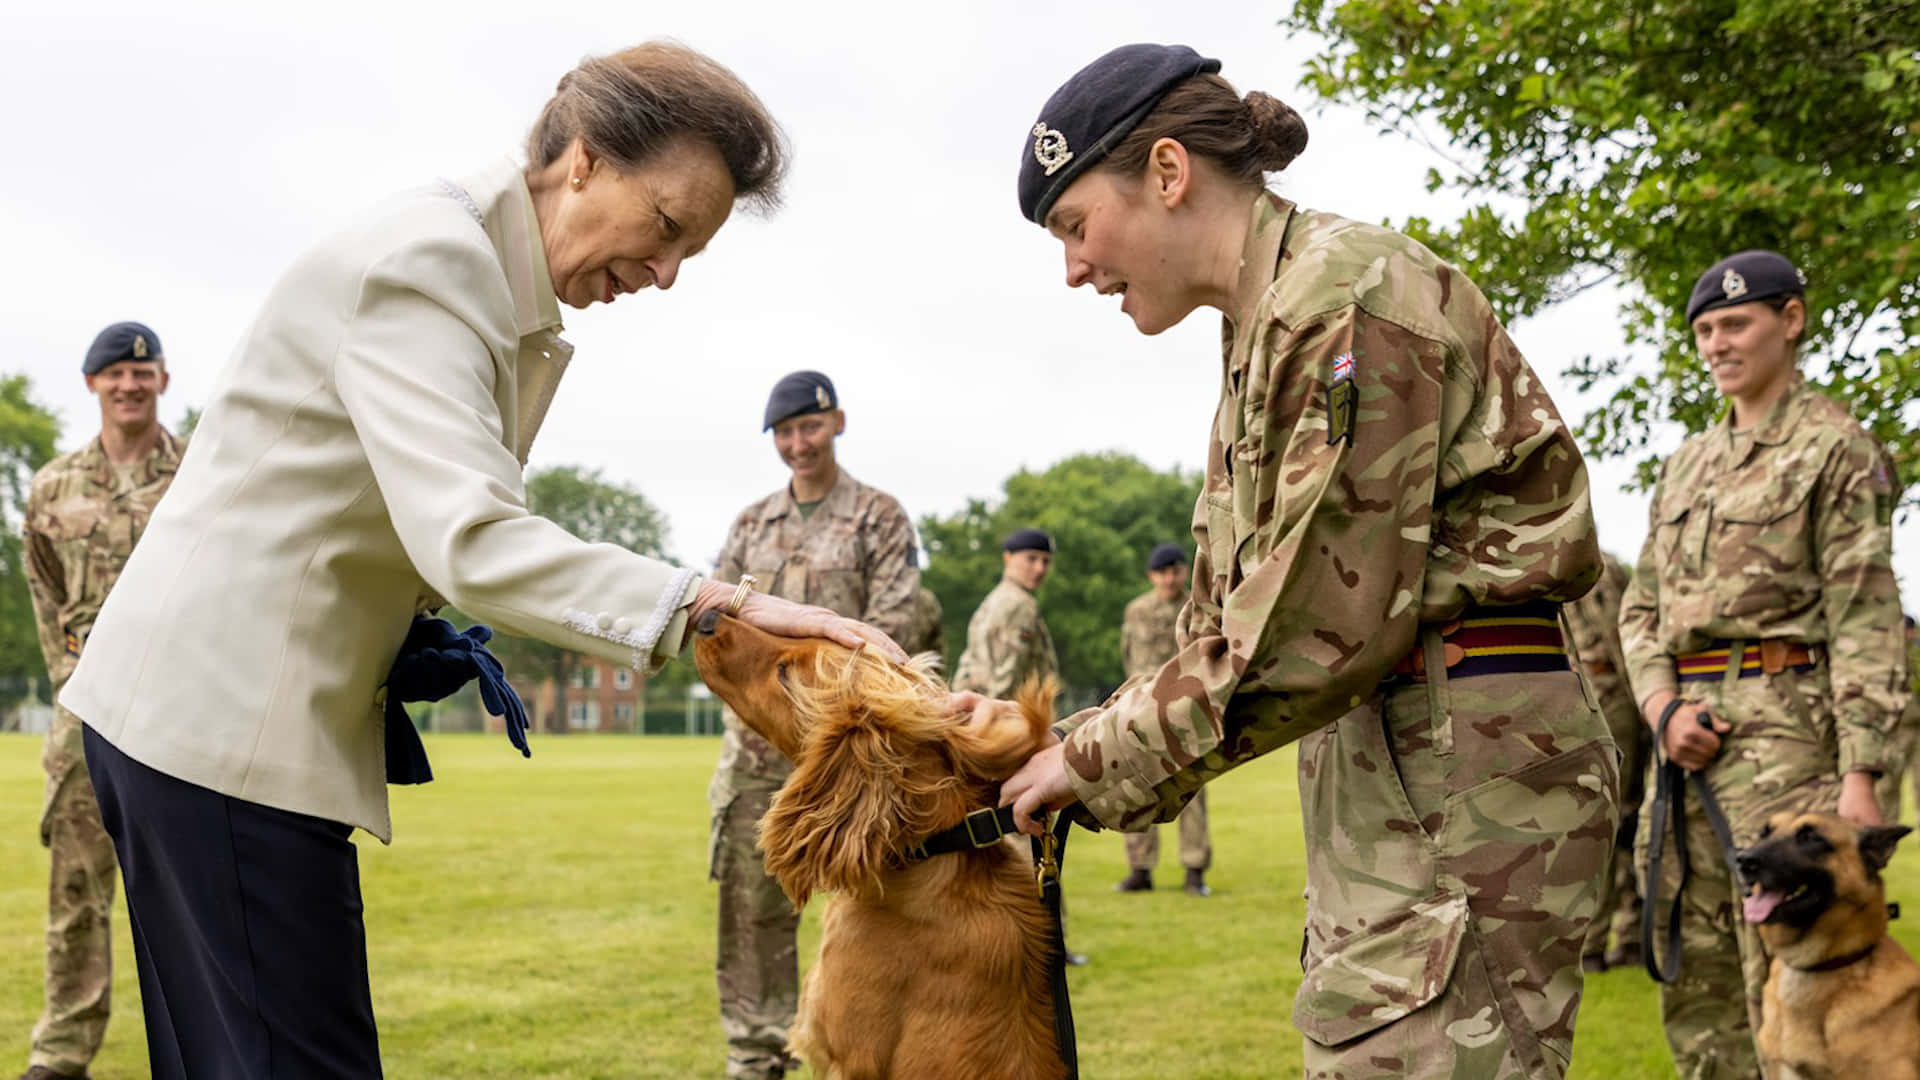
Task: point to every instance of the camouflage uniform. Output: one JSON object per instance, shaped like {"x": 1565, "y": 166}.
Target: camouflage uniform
{"x": 854, "y": 554}
{"x": 1901, "y": 762}
{"x": 1779, "y": 534}
{"x": 1593, "y": 628}
{"x": 83, "y": 517}
{"x": 1146, "y": 642}
{"x": 1007, "y": 644}
{"x": 1383, "y": 459}
{"x": 929, "y": 633}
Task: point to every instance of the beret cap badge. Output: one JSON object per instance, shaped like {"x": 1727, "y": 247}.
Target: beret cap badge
{"x": 821, "y": 398}
{"x": 1732, "y": 284}
{"x": 1050, "y": 148}
{"x": 139, "y": 346}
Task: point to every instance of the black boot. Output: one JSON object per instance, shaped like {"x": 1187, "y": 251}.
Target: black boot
{"x": 1137, "y": 880}
{"x": 1197, "y": 883}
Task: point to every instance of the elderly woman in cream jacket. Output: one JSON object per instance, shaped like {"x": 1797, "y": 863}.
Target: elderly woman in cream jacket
{"x": 364, "y": 448}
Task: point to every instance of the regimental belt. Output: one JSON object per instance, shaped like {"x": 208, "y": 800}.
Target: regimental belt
{"x": 1761, "y": 658}
{"x": 1495, "y": 641}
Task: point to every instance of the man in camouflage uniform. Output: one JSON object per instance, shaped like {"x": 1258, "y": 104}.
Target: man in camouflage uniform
{"x": 86, "y": 511}
{"x": 1593, "y": 628}
{"x": 1391, "y": 514}
{"x": 1765, "y": 610}
{"x": 1007, "y": 640}
{"x": 825, "y": 539}
{"x": 1146, "y": 642}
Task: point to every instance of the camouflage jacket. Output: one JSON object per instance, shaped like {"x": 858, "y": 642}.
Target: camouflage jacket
{"x": 81, "y": 526}
{"x": 1147, "y": 632}
{"x": 1786, "y": 535}
{"x": 1007, "y": 644}
{"x": 855, "y": 554}
{"x": 1382, "y": 457}
{"x": 1593, "y": 630}
{"x": 929, "y": 634}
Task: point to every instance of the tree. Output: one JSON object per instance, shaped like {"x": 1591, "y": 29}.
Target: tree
{"x": 1105, "y": 512}
{"x": 1639, "y": 143}
{"x": 28, "y": 434}
{"x": 593, "y": 508}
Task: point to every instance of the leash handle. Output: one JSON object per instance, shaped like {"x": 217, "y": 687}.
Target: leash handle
{"x": 1669, "y": 799}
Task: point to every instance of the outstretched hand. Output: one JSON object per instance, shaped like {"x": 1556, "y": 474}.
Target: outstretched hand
{"x": 1039, "y": 786}
{"x": 788, "y": 619}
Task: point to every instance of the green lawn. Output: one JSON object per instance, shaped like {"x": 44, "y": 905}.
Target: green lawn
{"x": 552, "y": 918}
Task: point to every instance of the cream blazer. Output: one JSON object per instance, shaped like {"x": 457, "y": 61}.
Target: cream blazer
{"x": 362, "y": 450}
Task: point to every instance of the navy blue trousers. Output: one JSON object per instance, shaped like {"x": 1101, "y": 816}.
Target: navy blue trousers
{"x": 247, "y": 930}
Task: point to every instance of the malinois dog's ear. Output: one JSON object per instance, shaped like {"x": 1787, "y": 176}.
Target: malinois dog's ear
{"x": 1876, "y": 845}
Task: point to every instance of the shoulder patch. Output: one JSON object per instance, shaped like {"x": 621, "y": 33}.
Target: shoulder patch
{"x": 1342, "y": 403}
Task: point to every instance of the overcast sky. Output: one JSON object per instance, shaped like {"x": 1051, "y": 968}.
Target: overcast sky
{"x": 166, "y": 166}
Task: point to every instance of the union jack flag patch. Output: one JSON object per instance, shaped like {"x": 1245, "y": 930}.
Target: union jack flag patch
{"x": 1343, "y": 366}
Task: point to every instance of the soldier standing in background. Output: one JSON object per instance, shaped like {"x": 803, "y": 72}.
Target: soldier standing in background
{"x": 1906, "y": 740}
{"x": 825, "y": 539}
{"x": 86, "y": 511}
{"x": 1593, "y": 627}
{"x": 1765, "y": 612}
{"x": 1146, "y": 642}
{"x": 1007, "y": 640}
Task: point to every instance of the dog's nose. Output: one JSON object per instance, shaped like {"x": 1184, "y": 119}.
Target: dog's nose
{"x": 707, "y": 622}
{"x": 1747, "y": 863}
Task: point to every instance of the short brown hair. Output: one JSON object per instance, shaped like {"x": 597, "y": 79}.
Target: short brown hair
{"x": 1247, "y": 138}
{"x": 629, "y": 105}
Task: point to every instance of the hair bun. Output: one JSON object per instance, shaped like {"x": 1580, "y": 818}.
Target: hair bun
{"x": 1278, "y": 130}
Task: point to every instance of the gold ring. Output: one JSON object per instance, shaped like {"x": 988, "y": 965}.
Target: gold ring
{"x": 740, "y": 594}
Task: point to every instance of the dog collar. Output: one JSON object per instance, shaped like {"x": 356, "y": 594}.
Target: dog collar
{"x": 1839, "y": 962}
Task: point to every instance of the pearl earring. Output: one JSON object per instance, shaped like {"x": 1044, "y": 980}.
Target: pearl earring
{"x": 577, "y": 181}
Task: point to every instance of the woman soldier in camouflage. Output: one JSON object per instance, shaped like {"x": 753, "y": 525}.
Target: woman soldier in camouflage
{"x": 1764, "y": 600}
{"x": 1392, "y": 513}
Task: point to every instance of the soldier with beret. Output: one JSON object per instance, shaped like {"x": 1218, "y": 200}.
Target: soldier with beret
{"x": 1147, "y": 640}
{"x": 1392, "y": 513}
{"x": 1007, "y": 640}
{"x": 1765, "y": 606}
{"x": 86, "y": 511}
{"x": 828, "y": 540}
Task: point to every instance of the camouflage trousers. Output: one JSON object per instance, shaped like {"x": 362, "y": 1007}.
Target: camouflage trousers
{"x": 1886, "y": 790}
{"x": 1196, "y": 850}
{"x": 1780, "y": 755}
{"x": 79, "y": 975}
{"x": 1458, "y": 833}
{"x": 1619, "y": 921}
{"x": 757, "y": 963}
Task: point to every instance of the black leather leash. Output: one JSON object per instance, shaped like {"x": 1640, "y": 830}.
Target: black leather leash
{"x": 1670, "y": 798}
{"x": 987, "y": 827}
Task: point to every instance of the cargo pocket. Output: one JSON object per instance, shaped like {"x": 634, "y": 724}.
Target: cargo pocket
{"x": 1379, "y": 975}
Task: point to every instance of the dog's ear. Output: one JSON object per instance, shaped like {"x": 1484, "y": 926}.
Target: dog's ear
{"x": 856, "y": 797}
{"x": 1876, "y": 845}
{"x": 996, "y": 750}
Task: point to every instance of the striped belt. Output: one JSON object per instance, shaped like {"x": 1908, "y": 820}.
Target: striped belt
{"x": 1769, "y": 657}
{"x": 1494, "y": 641}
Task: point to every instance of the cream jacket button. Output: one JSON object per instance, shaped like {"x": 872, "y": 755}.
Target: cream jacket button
{"x": 622, "y": 626}
{"x": 604, "y": 622}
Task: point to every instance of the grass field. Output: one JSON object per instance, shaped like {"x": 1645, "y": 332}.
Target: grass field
{"x": 552, "y": 918}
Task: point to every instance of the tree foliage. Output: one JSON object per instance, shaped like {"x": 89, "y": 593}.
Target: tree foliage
{"x": 28, "y": 434}
{"x": 1619, "y": 140}
{"x": 1105, "y": 512}
{"x": 591, "y": 507}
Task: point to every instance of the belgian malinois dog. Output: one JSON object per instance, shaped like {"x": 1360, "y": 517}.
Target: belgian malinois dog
{"x": 1842, "y": 997}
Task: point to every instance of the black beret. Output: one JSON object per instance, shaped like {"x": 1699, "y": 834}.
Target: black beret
{"x": 1028, "y": 540}
{"x": 1089, "y": 115}
{"x": 798, "y": 394}
{"x": 1744, "y": 278}
{"x": 121, "y": 342}
{"x": 1167, "y": 555}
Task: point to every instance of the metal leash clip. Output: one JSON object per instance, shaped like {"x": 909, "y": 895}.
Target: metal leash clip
{"x": 1047, "y": 872}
